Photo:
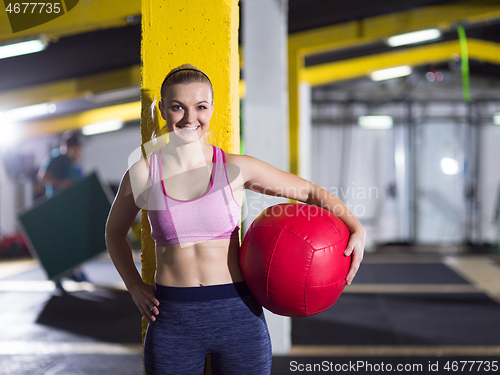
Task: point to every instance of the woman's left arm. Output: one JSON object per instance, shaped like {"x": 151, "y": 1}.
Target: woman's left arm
{"x": 264, "y": 178}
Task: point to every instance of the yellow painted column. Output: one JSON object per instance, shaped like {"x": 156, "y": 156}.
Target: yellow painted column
{"x": 295, "y": 67}
{"x": 202, "y": 33}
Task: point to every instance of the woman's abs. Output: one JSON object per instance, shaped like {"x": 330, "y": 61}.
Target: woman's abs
{"x": 207, "y": 263}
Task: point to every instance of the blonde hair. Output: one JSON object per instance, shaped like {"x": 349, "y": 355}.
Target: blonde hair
{"x": 186, "y": 73}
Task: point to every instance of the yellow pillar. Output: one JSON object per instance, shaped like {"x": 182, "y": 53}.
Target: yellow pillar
{"x": 202, "y": 33}
{"x": 295, "y": 67}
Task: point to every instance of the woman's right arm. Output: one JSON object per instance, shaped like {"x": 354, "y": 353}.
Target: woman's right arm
{"x": 122, "y": 215}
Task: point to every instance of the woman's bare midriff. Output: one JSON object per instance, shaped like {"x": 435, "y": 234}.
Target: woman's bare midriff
{"x": 211, "y": 262}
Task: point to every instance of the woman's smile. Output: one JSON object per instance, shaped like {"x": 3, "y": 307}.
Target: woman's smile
{"x": 189, "y": 128}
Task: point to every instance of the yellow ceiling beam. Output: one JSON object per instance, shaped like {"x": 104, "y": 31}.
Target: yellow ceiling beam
{"x": 482, "y": 50}
{"x": 444, "y": 17}
{"x": 70, "y": 89}
{"x": 416, "y": 56}
{"x": 84, "y": 17}
{"x": 35, "y": 128}
{"x": 362, "y": 66}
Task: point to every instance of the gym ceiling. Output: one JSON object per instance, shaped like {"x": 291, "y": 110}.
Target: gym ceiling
{"x": 91, "y": 67}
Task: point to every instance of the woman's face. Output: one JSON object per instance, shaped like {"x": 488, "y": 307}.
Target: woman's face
{"x": 187, "y": 109}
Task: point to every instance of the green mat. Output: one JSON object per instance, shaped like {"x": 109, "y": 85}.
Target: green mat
{"x": 68, "y": 229}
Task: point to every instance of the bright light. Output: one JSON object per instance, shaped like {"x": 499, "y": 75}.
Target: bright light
{"x": 22, "y": 48}
{"x": 450, "y": 166}
{"x": 102, "y": 127}
{"x": 31, "y": 111}
{"x": 8, "y": 131}
{"x": 496, "y": 118}
{"x": 399, "y": 71}
{"x": 415, "y": 37}
{"x": 375, "y": 122}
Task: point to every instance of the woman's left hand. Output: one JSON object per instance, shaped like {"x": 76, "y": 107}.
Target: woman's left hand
{"x": 355, "y": 247}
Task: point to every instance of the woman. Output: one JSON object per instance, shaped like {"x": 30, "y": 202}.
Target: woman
{"x": 193, "y": 192}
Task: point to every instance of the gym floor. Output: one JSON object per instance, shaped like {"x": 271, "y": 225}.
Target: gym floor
{"x": 410, "y": 313}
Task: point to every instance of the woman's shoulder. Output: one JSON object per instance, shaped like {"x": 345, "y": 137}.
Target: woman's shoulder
{"x": 237, "y": 159}
{"x": 248, "y": 165}
{"x": 141, "y": 166}
{"x": 138, "y": 172}
{"x": 136, "y": 180}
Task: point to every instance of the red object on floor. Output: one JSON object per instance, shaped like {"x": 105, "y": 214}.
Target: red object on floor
{"x": 13, "y": 246}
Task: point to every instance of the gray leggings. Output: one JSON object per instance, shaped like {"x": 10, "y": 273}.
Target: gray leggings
{"x": 222, "y": 320}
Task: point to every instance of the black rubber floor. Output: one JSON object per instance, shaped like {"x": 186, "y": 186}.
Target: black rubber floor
{"x": 416, "y": 319}
{"x": 101, "y": 315}
{"x": 404, "y": 273}
{"x": 74, "y": 364}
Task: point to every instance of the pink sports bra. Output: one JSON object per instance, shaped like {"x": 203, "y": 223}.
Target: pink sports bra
{"x": 213, "y": 215}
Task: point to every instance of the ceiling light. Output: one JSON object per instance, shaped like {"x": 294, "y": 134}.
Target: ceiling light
{"x": 31, "y": 111}
{"x": 450, "y": 166}
{"x": 414, "y": 37}
{"x": 375, "y": 122}
{"x": 399, "y": 71}
{"x": 496, "y": 118}
{"x": 102, "y": 127}
{"x": 23, "y": 47}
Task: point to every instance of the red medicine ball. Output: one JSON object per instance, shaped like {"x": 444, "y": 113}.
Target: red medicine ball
{"x": 292, "y": 258}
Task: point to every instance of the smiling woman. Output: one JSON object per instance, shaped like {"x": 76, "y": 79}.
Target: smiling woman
{"x": 187, "y": 108}
{"x": 193, "y": 194}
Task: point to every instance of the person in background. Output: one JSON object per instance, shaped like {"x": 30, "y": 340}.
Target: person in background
{"x": 59, "y": 171}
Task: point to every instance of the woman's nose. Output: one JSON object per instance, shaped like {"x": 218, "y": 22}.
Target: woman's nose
{"x": 189, "y": 116}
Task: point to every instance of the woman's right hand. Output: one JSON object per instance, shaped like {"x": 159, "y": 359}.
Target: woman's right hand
{"x": 145, "y": 298}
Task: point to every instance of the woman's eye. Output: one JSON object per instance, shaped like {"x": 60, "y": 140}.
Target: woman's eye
{"x": 202, "y": 107}
{"x": 176, "y": 107}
